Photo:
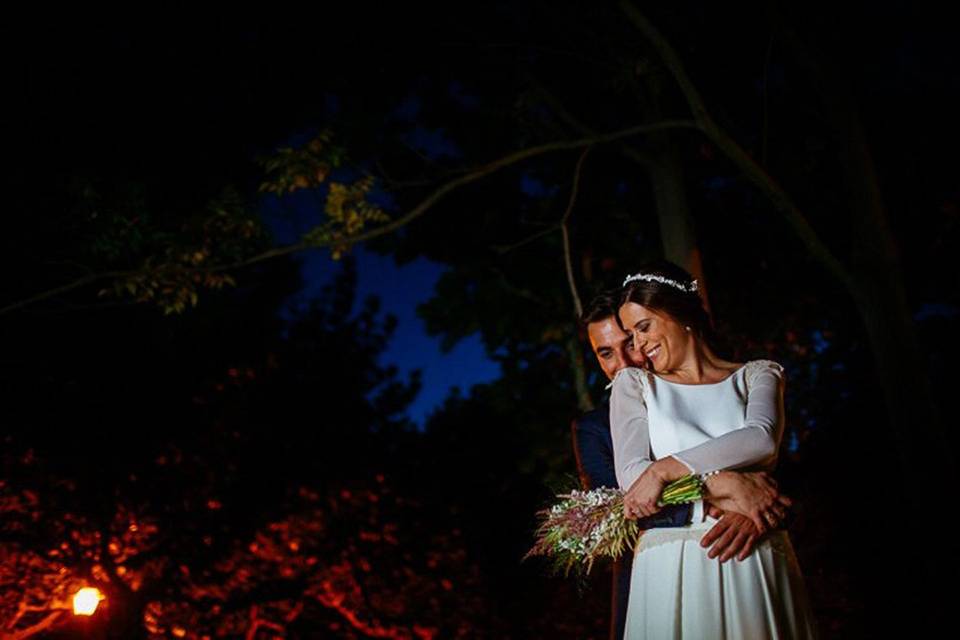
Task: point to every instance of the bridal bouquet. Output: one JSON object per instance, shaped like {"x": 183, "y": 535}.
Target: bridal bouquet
{"x": 586, "y": 525}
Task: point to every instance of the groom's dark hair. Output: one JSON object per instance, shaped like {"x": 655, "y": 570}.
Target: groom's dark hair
{"x": 603, "y": 306}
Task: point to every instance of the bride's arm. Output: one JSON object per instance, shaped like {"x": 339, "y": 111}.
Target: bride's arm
{"x": 629, "y": 428}
{"x": 756, "y": 442}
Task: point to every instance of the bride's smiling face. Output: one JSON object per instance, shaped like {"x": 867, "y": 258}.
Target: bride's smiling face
{"x": 658, "y": 335}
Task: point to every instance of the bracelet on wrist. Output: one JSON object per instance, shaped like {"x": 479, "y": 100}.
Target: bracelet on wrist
{"x": 704, "y": 476}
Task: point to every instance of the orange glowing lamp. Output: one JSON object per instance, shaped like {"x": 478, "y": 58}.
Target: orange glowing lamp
{"x": 85, "y": 601}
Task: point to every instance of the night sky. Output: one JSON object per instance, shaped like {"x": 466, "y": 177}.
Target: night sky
{"x": 400, "y": 288}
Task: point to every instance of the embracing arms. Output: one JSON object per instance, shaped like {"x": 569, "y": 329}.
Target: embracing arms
{"x": 759, "y": 438}
{"x": 751, "y": 444}
{"x": 595, "y": 465}
{"x": 754, "y": 443}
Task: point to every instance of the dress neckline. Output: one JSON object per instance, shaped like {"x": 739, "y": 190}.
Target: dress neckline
{"x": 700, "y": 384}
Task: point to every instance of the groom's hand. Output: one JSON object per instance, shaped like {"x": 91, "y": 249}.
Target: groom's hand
{"x": 752, "y": 493}
{"x": 735, "y": 534}
{"x": 713, "y": 511}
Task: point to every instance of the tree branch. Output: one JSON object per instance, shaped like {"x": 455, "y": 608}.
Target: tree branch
{"x": 642, "y": 158}
{"x": 574, "y": 347}
{"x": 502, "y": 249}
{"x": 577, "y": 305}
{"x": 38, "y": 627}
{"x": 751, "y": 169}
{"x": 413, "y": 214}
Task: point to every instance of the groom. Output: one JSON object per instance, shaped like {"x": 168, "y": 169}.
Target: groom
{"x": 593, "y": 447}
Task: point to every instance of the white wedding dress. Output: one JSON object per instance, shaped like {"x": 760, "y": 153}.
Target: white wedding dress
{"x": 676, "y": 590}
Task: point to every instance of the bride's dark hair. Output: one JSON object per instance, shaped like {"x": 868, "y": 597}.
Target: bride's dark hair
{"x": 686, "y": 307}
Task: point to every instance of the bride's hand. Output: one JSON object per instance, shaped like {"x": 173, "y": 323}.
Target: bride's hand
{"x": 641, "y": 498}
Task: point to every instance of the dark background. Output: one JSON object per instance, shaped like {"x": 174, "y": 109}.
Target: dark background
{"x": 269, "y": 411}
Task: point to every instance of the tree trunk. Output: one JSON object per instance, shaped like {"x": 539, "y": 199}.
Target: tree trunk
{"x": 678, "y": 234}
{"x": 902, "y": 371}
{"x": 578, "y": 367}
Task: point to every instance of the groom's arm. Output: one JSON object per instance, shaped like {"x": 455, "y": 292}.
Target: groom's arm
{"x": 593, "y": 449}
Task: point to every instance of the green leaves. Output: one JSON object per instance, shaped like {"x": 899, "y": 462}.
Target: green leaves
{"x": 177, "y": 264}
{"x": 347, "y": 207}
{"x": 290, "y": 169}
{"x": 194, "y": 257}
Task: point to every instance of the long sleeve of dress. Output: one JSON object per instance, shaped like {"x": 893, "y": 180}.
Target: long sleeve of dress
{"x": 759, "y": 438}
{"x": 593, "y": 449}
{"x": 629, "y": 428}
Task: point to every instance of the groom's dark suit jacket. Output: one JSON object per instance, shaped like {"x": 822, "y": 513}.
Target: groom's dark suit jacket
{"x": 593, "y": 447}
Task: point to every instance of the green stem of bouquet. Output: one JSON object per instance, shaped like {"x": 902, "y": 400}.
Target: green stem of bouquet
{"x": 686, "y": 489}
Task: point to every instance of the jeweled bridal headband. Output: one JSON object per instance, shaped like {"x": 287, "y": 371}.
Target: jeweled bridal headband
{"x": 673, "y": 283}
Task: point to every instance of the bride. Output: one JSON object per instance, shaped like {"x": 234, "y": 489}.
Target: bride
{"x": 689, "y": 412}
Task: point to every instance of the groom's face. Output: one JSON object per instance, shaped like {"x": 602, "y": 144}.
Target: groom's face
{"x": 612, "y": 346}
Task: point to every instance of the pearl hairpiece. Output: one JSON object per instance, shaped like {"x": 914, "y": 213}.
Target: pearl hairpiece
{"x": 673, "y": 283}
